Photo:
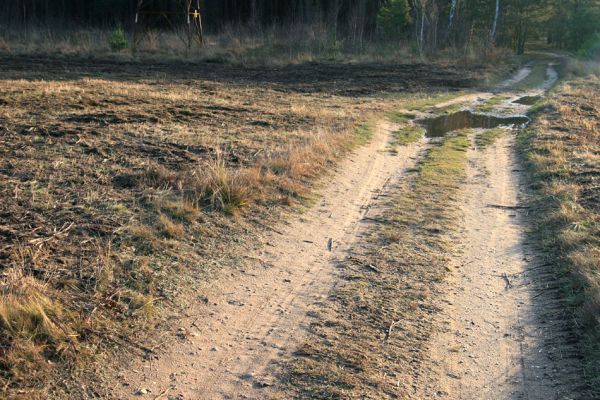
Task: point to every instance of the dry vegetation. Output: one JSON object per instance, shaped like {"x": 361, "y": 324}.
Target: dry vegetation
{"x": 124, "y": 185}
{"x": 563, "y": 152}
{"x": 368, "y": 345}
{"x": 294, "y": 43}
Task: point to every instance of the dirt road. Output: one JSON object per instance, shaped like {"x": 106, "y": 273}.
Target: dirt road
{"x": 499, "y": 338}
{"x": 244, "y": 323}
{"x": 503, "y": 337}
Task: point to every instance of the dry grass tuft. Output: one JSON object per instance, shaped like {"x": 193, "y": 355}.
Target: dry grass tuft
{"x": 169, "y": 228}
{"x": 33, "y": 328}
{"x": 144, "y": 239}
{"x": 181, "y": 210}
{"x": 25, "y": 312}
{"x": 224, "y": 189}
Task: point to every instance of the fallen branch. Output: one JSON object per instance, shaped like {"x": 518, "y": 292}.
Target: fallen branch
{"x": 164, "y": 392}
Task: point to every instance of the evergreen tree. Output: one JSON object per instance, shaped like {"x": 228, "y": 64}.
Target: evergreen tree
{"x": 394, "y": 17}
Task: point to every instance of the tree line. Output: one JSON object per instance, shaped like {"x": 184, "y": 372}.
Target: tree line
{"x": 428, "y": 24}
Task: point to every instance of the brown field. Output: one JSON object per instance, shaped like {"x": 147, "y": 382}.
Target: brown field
{"x": 124, "y": 185}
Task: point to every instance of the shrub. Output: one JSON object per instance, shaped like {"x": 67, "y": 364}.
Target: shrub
{"x": 591, "y": 47}
{"x": 118, "y": 40}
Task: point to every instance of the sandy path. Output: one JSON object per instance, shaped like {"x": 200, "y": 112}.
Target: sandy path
{"x": 501, "y": 338}
{"x": 254, "y": 318}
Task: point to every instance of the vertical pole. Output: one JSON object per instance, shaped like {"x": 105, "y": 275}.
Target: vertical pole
{"x": 188, "y": 11}
{"x": 136, "y": 23}
{"x": 198, "y": 21}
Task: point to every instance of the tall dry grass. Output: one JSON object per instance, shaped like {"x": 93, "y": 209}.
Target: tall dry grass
{"x": 34, "y": 328}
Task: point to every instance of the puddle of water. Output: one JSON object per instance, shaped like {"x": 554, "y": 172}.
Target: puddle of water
{"x": 439, "y": 126}
{"x": 528, "y": 100}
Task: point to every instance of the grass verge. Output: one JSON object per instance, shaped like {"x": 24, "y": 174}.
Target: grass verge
{"x": 562, "y": 152}
{"x": 367, "y": 341}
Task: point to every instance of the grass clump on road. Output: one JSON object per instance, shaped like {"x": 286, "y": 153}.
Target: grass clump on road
{"x": 562, "y": 150}
{"x": 407, "y": 135}
{"x": 535, "y": 79}
{"x": 492, "y": 104}
{"x": 487, "y": 137}
{"x": 384, "y": 303}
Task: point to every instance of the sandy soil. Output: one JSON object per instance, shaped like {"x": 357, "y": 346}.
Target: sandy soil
{"x": 501, "y": 339}
{"x": 243, "y": 323}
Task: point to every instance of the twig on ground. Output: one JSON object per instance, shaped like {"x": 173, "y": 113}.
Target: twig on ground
{"x": 507, "y": 280}
{"x": 164, "y": 392}
{"x": 373, "y": 268}
{"x": 389, "y": 331}
{"x": 505, "y": 207}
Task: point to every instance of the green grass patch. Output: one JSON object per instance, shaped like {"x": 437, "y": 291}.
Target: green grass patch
{"x": 364, "y": 132}
{"x": 535, "y": 79}
{"x": 398, "y": 117}
{"x": 538, "y": 108}
{"x": 488, "y": 137}
{"x": 492, "y": 104}
{"x": 407, "y": 136}
{"x": 443, "y": 168}
{"x": 428, "y": 101}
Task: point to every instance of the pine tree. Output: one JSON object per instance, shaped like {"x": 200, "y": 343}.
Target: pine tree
{"x": 394, "y": 17}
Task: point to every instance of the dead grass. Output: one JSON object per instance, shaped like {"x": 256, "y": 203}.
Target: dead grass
{"x": 122, "y": 190}
{"x": 223, "y": 189}
{"x": 562, "y": 150}
{"x": 169, "y": 228}
{"x": 35, "y": 330}
{"x": 247, "y": 45}
{"x": 367, "y": 345}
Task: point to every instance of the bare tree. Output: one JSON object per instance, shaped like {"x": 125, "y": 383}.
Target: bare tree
{"x": 495, "y": 24}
